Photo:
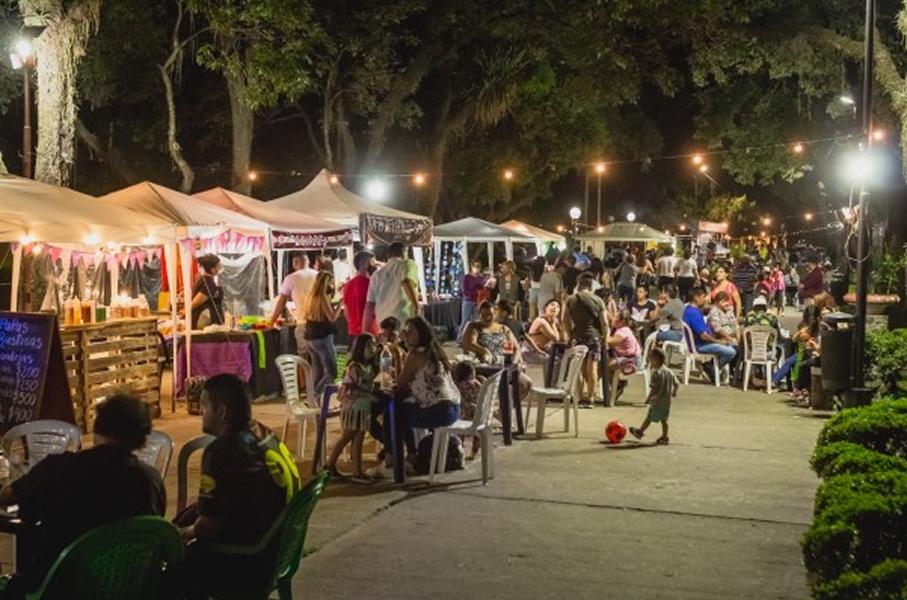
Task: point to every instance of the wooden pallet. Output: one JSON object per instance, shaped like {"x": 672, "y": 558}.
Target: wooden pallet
{"x": 115, "y": 356}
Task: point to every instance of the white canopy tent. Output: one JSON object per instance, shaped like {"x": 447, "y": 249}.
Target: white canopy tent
{"x": 326, "y": 198}
{"x": 542, "y": 235}
{"x": 193, "y": 218}
{"x": 32, "y": 211}
{"x": 288, "y": 228}
{"x": 623, "y": 232}
{"x": 475, "y": 230}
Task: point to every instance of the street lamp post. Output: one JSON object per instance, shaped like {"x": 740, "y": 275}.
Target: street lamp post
{"x": 22, "y": 56}
{"x": 575, "y": 214}
{"x": 859, "y": 338}
{"x": 599, "y": 171}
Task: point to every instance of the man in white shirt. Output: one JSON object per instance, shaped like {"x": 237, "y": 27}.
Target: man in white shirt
{"x": 296, "y": 287}
{"x": 392, "y": 290}
{"x": 342, "y": 270}
{"x": 664, "y": 268}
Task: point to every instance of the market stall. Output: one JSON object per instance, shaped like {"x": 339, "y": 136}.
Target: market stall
{"x": 104, "y": 347}
{"x": 460, "y": 234}
{"x": 624, "y": 232}
{"x": 205, "y": 228}
{"x": 372, "y": 222}
{"x": 542, "y": 236}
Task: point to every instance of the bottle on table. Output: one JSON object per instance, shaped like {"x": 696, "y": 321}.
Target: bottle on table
{"x": 386, "y": 368}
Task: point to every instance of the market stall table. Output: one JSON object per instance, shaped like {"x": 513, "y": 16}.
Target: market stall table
{"x": 444, "y": 314}
{"x": 247, "y": 354}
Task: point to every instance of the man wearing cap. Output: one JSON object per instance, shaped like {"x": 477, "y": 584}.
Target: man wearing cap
{"x": 760, "y": 315}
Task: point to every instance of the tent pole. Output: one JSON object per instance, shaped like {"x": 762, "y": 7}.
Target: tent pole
{"x": 170, "y": 257}
{"x": 269, "y": 261}
{"x": 508, "y": 248}
{"x": 280, "y": 275}
{"x": 185, "y": 257}
{"x": 14, "y": 283}
{"x": 419, "y": 257}
{"x": 465, "y": 255}
{"x": 437, "y": 257}
{"x": 490, "y": 246}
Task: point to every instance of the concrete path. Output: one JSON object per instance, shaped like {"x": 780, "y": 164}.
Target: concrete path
{"x": 717, "y": 514}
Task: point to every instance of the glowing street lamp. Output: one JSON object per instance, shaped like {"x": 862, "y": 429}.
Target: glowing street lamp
{"x": 509, "y": 175}
{"x": 878, "y": 135}
{"x": 252, "y": 176}
{"x": 631, "y": 216}
{"x": 600, "y": 167}
{"x": 575, "y": 213}
{"x": 808, "y": 216}
{"x": 847, "y": 100}
{"x": 419, "y": 179}
{"x": 22, "y": 56}
{"x": 697, "y": 159}
{"x": 766, "y": 221}
{"x": 798, "y": 148}
{"x": 376, "y": 189}
{"x": 335, "y": 180}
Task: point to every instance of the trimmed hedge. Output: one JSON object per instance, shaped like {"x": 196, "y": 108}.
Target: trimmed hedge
{"x": 885, "y": 581}
{"x": 840, "y": 458}
{"x": 881, "y": 426}
{"x": 856, "y": 546}
{"x": 860, "y": 520}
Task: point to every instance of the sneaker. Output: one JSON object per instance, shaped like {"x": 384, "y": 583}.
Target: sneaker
{"x": 663, "y": 441}
{"x": 637, "y": 432}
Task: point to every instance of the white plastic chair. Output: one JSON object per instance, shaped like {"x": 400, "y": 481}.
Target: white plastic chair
{"x": 299, "y": 409}
{"x": 759, "y": 348}
{"x": 479, "y": 426}
{"x": 157, "y": 451}
{"x": 643, "y": 370}
{"x": 39, "y": 439}
{"x": 182, "y": 468}
{"x": 566, "y": 383}
{"x": 692, "y": 357}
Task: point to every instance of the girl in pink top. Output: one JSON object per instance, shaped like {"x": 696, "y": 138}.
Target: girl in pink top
{"x": 626, "y": 349}
{"x": 780, "y": 288}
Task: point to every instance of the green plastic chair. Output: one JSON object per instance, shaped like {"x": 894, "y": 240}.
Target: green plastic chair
{"x": 122, "y": 559}
{"x": 288, "y": 532}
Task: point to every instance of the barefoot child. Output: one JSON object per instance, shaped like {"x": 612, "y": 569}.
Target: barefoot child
{"x": 356, "y": 395}
{"x": 663, "y": 386}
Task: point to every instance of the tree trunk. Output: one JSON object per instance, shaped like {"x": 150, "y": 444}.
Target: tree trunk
{"x": 173, "y": 145}
{"x": 58, "y": 50}
{"x": 327, "y": 120}
{"x": 346, "y": 144}
{"x": 243, "y": 123}
{"x": 109, "y": 155}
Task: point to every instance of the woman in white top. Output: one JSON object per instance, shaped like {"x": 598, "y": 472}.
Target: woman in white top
{"x": 665, "y": 267}
{"x": 685, "y": 269}
{"x": 426, "y": 377}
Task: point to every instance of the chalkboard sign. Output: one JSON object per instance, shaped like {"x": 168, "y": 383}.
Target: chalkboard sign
{"x": 33, "y": 382}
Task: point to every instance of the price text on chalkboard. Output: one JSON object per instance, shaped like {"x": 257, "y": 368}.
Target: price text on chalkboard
{"x": 30, "y": 357}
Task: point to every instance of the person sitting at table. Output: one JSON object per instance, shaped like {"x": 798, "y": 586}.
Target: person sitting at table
{"x": 426, "y": 378}
{"x": 668, "y": 316}
{"x": 546, "y": 330}
{"x": 72, "y": 493}
{"x": 705, "y": 340}
{"x": 207, "y": 294}
{"x": 586, "y": 323}
{"x": 642, "y": 307}
{"x": 247, "y": 477}
{"x": 722, "y": 318}
{"x": 469, "y": 384}
{"x": 486, "y": 339}
{"x": 625, "y": 351}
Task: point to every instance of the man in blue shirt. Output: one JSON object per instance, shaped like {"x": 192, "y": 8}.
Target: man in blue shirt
{"x": 706, "y": 341}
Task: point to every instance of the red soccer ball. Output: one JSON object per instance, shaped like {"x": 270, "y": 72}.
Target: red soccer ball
{"x": 615, "y": 431}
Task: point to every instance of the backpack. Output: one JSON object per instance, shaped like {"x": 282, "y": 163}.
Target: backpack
{"x": 456, "y": 458}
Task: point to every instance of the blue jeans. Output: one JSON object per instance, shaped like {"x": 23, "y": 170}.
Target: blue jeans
{"x": 324, "y": 361}
{"x": 413, "y": 416}
{"x": 725, "y": 354}
{"x": 467, "y": 314}
{"x": 671, "y": 335}
{"x": 785, "y": 369}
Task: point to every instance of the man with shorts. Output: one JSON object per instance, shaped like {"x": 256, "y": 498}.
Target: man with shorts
{"x": 586, "y": 323}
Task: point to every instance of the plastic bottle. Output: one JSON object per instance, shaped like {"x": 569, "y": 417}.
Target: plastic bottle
{"x": 386, "y": 362}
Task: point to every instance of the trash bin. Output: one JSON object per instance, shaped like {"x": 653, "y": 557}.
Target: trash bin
{"x": 837, "y": 347}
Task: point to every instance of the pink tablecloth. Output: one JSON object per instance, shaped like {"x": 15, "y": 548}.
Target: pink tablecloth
{"x": 214, "y": 358}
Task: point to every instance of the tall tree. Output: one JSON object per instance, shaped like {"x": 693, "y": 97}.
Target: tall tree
{"x": 263, "y": 49}
{"x": 68, "y": 26}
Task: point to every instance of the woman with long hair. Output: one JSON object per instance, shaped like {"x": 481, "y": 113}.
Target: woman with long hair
{"x": 723, "y": 284}
{"x": 426, "y": 377}
{"x": 320, "y": 317}
{"x": 207, "y": 294}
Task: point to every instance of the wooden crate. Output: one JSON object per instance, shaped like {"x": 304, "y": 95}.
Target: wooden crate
{"x": 116, "y": 356}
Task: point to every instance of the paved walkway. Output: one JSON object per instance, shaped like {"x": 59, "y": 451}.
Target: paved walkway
{"x": 717, "y": 514}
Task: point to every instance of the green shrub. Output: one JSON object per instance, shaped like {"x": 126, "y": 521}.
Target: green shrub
{"x": 886, "y": 357}
{"x": 881, "y": 426}
{"x": 885, "y": 581}
{"x": 860, "y": 520}
{"x": 839, "y": 458}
